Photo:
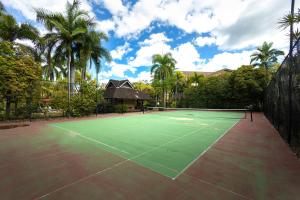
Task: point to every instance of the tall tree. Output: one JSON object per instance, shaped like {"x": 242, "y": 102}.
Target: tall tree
{"x": 89, "y": 49}
{"x": 265, "y": 57}
{"x": 10, "y": 30}
{"x": 47, "y": 45}
{"x": 67, "y": 29}
{"x": 178, "y": 85}
{"x": 288, "y": 20}
{"x": 18, "y": 71}
{"x": 163, "y": 67}
{"x": 196, "y": 79}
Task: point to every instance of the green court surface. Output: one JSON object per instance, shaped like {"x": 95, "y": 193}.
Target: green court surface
{"x": 164, "y": 142}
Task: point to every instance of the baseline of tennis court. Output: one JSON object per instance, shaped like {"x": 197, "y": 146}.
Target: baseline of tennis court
{"x": 164, "y": 142}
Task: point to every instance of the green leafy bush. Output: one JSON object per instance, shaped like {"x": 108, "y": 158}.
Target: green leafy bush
{"x": 82, "y": 106}
{"x": 120, "y": 108}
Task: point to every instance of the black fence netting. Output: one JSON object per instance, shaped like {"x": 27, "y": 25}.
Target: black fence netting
{"x": 48, "y": 99}
{"x": 282, "y": 99}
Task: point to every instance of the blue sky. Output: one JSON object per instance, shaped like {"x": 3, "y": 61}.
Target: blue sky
{"x": 201, "y": 35}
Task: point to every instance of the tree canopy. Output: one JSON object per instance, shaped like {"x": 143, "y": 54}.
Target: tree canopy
{"x": 266, "y": 57}
{"x": 18, "y": 71}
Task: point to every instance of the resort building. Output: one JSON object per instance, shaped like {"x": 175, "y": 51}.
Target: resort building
{"x": 122, "y": 92}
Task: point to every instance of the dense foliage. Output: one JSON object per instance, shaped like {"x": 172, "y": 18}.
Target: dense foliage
{"x": 69, "y": 47}
{"x": 18, "y": 72}
{"x": 236, "y": 89}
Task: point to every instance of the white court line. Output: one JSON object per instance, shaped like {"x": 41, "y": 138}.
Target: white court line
{"x": 219, "y": 187}
{"x": 90, "y": 139}
{"x": 108, "y": 168}
{"x": 212, "y": 144}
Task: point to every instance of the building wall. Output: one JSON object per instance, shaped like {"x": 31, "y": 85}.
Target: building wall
{"x": 131, "y": 104}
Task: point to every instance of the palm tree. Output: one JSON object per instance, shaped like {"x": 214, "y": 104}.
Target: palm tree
{"x": 265, "y": 56}
{"x": 10, "y": 30}
{"x": 179, "y": 79}
{"x": 46, "y": 46}
{"x": 163, "y": 68}
{"x": 195, "y": 79}
{"x": 66, "y": 30}
{"x": 2, "y": 9}
{"x": 90, "y": 50}
{"x": 287, "y": 21}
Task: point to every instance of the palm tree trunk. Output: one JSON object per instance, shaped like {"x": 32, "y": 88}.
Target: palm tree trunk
{"x": 72, "y": 75}
{"x": 164, "y": 96}
{"x": 96, "y": 93}
{"x": 267, "y": 73}
{"x": 50, "y": 69}
{"x": 69, "y": 83}
{"x": 83, "y": 73}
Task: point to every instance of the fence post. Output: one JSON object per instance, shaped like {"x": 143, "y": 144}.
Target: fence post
{"x": 290, "y": 74}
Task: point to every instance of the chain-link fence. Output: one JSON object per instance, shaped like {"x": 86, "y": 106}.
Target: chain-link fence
{"x": 282, "y": 99}
{"x": 48, "y": 99}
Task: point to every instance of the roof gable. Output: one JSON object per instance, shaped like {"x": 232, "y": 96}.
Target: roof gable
{"x": 119, "y": 84}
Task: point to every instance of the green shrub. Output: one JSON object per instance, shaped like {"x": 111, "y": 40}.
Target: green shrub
{"x": 81, "y": 106}
{"x": 173, "y": 104}
{"x": 120, "y": 108}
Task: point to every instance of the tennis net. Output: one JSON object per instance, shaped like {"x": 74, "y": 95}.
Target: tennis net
{"x": 204, "y": 113}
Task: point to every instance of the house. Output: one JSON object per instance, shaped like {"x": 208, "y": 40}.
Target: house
{"x": 122, "y": 92}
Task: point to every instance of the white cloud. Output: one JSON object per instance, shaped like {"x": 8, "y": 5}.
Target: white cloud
{"x": 144, "y": 76}
{"x": 26, "y": 7}
{"x": 156, "y": 44}
{"x": 232, "y": 25}
{"x": 202, "y": 41}
{"x": 115, "y": 6}
{"x": 156, "y": 38}
{"x": 25, "y": 42}
{"x": 187, "y": 57}
{"x": 254, "y": 26}
{"x": 185, "y": 54}
{"x": 184, "y": 14}
{"x": 226, "y": 60}
{"x": 237, "y": 24}
{"x": 118, "y": 70}
{"x": 105, "y": 26}
{"x": 120, "y": 51}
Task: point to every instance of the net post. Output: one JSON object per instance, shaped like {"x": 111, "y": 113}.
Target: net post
{"x": 250, "y": 108}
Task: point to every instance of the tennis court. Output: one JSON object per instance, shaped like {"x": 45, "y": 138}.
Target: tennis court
{"x": 165, "y": 142}
{"x": 184, "y": 154}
